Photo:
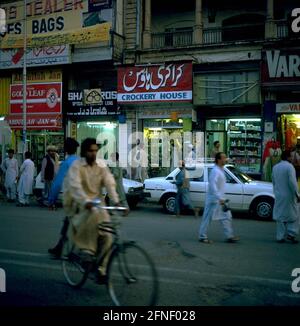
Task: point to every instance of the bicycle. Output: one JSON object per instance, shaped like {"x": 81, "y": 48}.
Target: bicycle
{"x": 131, "y": 274}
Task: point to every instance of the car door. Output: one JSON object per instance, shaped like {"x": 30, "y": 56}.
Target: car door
{"x": 197, "y": 186}
{"x": 233, "y": 190}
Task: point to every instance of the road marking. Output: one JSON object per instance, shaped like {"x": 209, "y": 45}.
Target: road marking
{"x": 22, "y": 253}
{"x": 159, "y": 269}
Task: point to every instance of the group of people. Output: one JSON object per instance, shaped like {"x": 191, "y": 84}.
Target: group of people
{"x": 18, "y": 181}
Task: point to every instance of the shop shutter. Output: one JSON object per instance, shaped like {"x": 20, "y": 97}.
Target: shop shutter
{"x": 4, "y": 95}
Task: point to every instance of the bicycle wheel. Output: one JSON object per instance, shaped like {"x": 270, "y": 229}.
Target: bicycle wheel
{"x": 132, "y": 277}
{"x": 75, "y": 271}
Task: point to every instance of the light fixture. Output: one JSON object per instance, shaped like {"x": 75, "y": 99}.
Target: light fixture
{"x": 2, "y": 118}
{"x": 155, "y": 129}
{"x": 180, "y": 121}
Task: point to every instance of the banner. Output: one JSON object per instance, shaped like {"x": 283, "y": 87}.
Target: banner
{"x": 37, "y": 122}
{"x": 42, "y": 98}
{"x": 93, "y": 34}
{"x": 160, "y": 83}
{"x": 77, "y": 108}
{"x": 38, "y": 76}
{"x": 46, "y": 56}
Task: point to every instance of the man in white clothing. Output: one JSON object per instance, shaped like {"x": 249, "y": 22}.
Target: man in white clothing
{"x": 215, "y": 200}
{"x": 27, "y": 171}
{"x": 287, "y": 197}
{"x": 11, "y": 171}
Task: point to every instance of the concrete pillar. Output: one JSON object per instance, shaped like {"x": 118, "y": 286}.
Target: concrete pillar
{"x": 147, "y": 28}
{"x": 198, "y": 28}
{"x": 270, "y": 27}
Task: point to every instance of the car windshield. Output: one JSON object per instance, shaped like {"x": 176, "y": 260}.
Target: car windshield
{"x": 243, "y": 177}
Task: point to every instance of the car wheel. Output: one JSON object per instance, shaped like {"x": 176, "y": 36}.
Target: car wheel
{"x": 262, "y": 208}
{"x": 169, "y": 203}
{"x": 132, "y": 204}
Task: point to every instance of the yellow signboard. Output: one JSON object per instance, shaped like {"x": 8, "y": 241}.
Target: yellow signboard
{"x": 45, "y": 16}
{"x": 40, "y": 76}
{"x": 92, "y": 34}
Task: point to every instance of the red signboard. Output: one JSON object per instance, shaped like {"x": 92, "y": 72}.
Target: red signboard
{"x": 34, "y": 121}
{"x": 42, "y": 98}
{"x": 280, "y": 67}
{"x": 170, "y": 82}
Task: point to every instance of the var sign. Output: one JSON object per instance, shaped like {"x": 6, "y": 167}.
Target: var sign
{"x": 282, "y": 65}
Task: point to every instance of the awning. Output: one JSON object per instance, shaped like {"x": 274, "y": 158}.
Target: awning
{"x": 36, "y": 121}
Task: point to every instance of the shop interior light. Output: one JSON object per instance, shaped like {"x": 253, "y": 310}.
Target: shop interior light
{"x": 155, "y": 129}
{"x": 107, "y": 125}
{"x": 2, "y": 118}
{"x": 180, "y": 121}
{"x": 258, "y": 120}
{"x": 214, "y": 120}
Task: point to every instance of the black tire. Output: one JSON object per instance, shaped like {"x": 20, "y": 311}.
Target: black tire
{"x": 74, "y": 270}
{"x": 169, "y": 203}
{"x": 132, "y": 277}
{"x": 262, "y": 208}
{"x": 132, "y": 203}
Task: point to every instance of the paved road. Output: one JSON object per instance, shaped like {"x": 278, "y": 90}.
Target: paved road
{"x": 256, "y": 271}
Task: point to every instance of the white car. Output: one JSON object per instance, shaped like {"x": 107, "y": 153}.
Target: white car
{"x": 134, "y": 191}
{"x": 244, "y": 193}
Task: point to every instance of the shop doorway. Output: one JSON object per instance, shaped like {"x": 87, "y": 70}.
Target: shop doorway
{"x": 289, "y": 130}
{"x": 215, "y": 131}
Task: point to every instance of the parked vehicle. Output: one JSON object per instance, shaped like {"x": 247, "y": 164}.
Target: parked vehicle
{"x": 244, "y": 193}
{"x": 134, "y": 191}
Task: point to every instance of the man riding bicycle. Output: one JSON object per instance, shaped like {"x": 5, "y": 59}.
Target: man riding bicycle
{"x": 84, "y": 182}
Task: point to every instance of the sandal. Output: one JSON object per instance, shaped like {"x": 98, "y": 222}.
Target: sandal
{"x": 205, "y": 241}
{"x": 292, "y": 239}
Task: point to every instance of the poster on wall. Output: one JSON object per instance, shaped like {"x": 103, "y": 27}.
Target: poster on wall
{"x": 170, "y": 82}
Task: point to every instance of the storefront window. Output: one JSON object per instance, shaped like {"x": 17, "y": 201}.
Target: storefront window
{"x": 38, "y": 142}
{"x": 104, "y": 132}
{"x": 244, "y": 144}
{"x": 155, "y": 131}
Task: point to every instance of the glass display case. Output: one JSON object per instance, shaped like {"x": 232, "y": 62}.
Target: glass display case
{"x": 245, "y": 144}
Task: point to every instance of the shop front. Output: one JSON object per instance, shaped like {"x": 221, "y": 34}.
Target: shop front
{"x": 158, "y": 104}
{"x": 288, "y": 122}
{"x": 94, "y": 113}
{"x": 43, "y": 116}
{"x": 229, "y": 111}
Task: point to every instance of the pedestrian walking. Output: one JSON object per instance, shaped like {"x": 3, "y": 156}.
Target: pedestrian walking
{"x": 49, "y": 168}
{"x": 215, "y": 208}
{"x": 27, "y": 172}
{"x": 141, "y": 159}
{"x": 70, "y": 148}
{"x": 183, "y": 199}
{"x": 117, "y": 172}
{"x": 11, "y": 172}
{"x": 287, "y": 197}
